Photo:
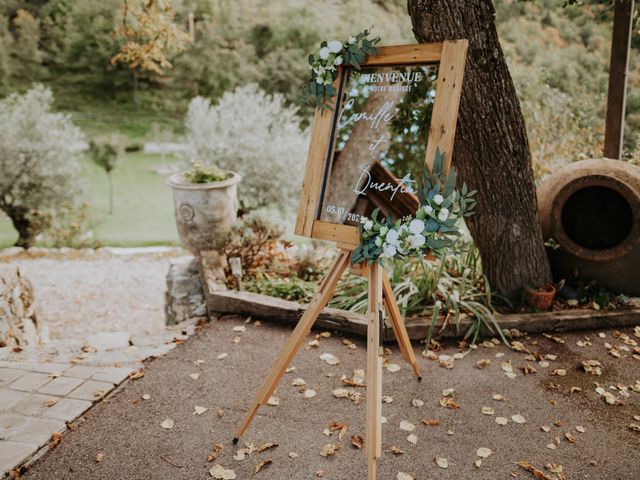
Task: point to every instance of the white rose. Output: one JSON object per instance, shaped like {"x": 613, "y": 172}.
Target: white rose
{"x": 417, "y": 240}
{"x": 428, "y": 209}
{"x": 324, "y": 53}
{"x": 352, "y": 40}
{"x": 334, "y": 46}
{"x": 338, "y": 60}
{"x": 388, "y": 251}
{"x": 378, "y": 242}
{"x": 438, "y": 199}
{"x": 443, "y": 215}
{"x": 368, "y": 225}
{"x": 392, "y": 237}
{"x": 416, "y": 226}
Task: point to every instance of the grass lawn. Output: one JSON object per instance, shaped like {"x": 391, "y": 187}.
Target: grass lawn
{"x": 142, "y": 210}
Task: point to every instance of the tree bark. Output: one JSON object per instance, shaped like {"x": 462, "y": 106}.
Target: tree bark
{"x": 491, "y": 148}
{"x": 24, "y": 226}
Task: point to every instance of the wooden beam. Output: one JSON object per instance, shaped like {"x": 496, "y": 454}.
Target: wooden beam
{"x": 618, "y": 70}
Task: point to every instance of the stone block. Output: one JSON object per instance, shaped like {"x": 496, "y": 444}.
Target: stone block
{"x": 114, "y": 375}
{"x": 8, "y": 375}
{"x": 14, "y": 454}
{"x": 61, "y": 386}
{"x": 8, "y": 398}
{"x": 19, "y": 428}
{"x": 67, "y": 409}
{"x": 82, "y": 371}
{"x": 91, "y": 390}
{"x": 33, "y": 405}
{"x": 30, "y": 382}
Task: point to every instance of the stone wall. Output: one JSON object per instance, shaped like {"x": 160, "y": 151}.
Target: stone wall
{"x": 20, "y": 324}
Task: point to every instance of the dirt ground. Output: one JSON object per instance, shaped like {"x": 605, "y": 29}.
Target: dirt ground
{"x": 125, "y": 431}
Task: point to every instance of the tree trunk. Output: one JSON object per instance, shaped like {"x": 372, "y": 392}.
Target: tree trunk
{"x": 110, "y": 193}
{"x": 491, "y": 148}
{"x": 24, "y": 226}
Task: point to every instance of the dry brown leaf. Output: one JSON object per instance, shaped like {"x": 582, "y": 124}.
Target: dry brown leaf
{"x": 357, "y": 441}
{"x": 396, "y": 451}
{"x": 265, "y": 446}
{"x": 329, "y": 450}
{"x": 217, "y": 449}
{"x": 136, "y": 374}
{"x": 56, "y": 438}
{"x": 262, "y": 464}
{"x": 570, "y": 438}
{"x": 431, "y": 422}
{"x": 442, "y": 462}
{"x": 449, "y": 403}
{"x": 539, "y": 474}
{"x": 99, "y": 456}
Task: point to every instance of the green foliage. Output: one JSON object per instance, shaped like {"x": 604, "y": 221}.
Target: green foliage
{"x": 201, "y": 173}
{"x": 6, "y": 44}
{"x": 26, "y": 45}
{"x": 105, "y": 152}
{"x": 288, "y": 288}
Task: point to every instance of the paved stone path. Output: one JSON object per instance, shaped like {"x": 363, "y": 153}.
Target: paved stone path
{"x": 106, "y": 315}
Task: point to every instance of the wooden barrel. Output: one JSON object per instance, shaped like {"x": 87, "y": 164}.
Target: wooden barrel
{"x": 591, "y": 209}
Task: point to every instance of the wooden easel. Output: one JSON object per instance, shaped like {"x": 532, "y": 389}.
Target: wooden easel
{"x": 451, "y": 57}
{"x": 380, "y": 293}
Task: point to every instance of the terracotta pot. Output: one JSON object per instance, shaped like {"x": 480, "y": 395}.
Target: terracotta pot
{"x": 591, "y": 209}
{"x": 203, "y": 211}
{"x": 540, "y": 298}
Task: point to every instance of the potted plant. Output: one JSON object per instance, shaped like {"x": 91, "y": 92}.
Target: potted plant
{"x": 206, "y": 204}
{"x": 540, "y": 298}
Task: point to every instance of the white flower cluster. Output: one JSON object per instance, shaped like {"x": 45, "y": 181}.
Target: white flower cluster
{"x": 409, "y": 236}
{"x": 327, "y": 59}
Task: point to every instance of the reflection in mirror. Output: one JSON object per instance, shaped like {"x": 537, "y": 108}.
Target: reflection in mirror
{"x": 379, "y": 144}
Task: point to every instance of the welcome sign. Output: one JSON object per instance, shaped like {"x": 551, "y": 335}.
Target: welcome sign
{"x": 388, "y": 120}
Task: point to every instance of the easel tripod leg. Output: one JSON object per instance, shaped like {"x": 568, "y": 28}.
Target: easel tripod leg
{"x": 373, "y": 431}
{"x": 291, "y": 347}
{"x": 398, "y": 326}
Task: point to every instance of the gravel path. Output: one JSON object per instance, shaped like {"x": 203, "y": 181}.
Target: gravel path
{"x": 98, "y": 293}
{"x": 123, "y": 437}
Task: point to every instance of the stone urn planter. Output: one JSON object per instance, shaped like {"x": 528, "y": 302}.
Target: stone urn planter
{"x": 203, "y": 211}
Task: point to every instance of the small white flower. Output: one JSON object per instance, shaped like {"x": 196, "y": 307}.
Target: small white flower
{"x": 428, "y": 209}
{"x": 334, "y": 46}
{"x": 378, "y": 242}
{"x": 368, "y": 225}
{"x": 392, "y": 237}
{"x": 417, "y": 240}
{"x": 363, "y": 219}
{"x": 352, "y": 40}
{"x": 338, "y": 60}
{"x": 324, "y": 53}
{"x": 383, "y": 230}
{"x": 388, "y": 251}
{"x": 438, "y": 199}
{"x": 443, "y": 214}
{"x": 319, "y": 80}
{"x": 319, "y": 70}
{"x": 416, "y": 226}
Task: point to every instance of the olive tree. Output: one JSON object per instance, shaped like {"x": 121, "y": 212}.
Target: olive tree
{"x": 38, "y": 162}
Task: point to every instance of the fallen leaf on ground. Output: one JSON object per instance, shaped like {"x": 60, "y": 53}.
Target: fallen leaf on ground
{"x": 554, "y": 467}
{"x": 517, "y": 418}
{"x": 387, "y": 399}
{"x": 239, "y": 328}
{"x": 404, "y": 476}
{"x": 412, "y": 438}
{"x": 580, "y": 428}
{"x": 431, "y": 422}
{"x": 329, "y": 450}
{"x": 570, "y": 438}
{"x": 393, "y": 367}
{"x": 497, "y": 396}
{"x": 265, "y": 446}
{"x": 198, "y": 410}
{"x": 442, "y": 462}
{"x": 309, "y": 393}
{"x": 594, "y": 367}
{"x": 551, "y": 446}
{"x": 416, "y": 402}
{"x": 484, "y": 452}
{"x": 341, "y": 393}
{"x": 167, "y": 424}
{"x": 298, "y": 382}
{"x": 136, "y": 374}
{"x": 217, "y": 449}
{"x": 545, "y": 428}
{"x": 395, "y": 450}
{"x": 560, "y": 372}
{"x": 482, "y": 363}
{"x": 407, "y": 426}
{"x": 487, "y": 411}
{"x": 449, "y": 403}
{"x": 195, "y": 376}
{"x": 478, "y": 463}
{"x": 262, "y": 464}
{"x": 240, "y": 455}
{"x": 293, "y": 455}
{"x": 539, "y": 474}
{"x": 222, "y": 356}
{"x": 273, "y": 401}
{"x": 146, "y": 396}
{"x": 329, "y": 358}
{"x": 553, "y": 337}
{"x": 357, "y": 441}
{"x": 502, "y": 420}
{"x": 448, "y": 392}
{"x": 221, "y": 473}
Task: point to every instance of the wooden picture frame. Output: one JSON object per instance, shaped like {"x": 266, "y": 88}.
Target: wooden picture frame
{"x": 451, "y": 58}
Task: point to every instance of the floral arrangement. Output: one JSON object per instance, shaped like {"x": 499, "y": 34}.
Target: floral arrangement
{"x": 432, "y": 229}
{"x": 324, "y": 62}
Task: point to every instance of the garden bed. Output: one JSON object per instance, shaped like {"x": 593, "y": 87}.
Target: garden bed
{"x": 288, "y": 312}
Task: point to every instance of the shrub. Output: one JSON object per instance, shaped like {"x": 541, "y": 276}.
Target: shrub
{"x": 256, "y": 135}
{"x": 201, "y": 173}
{"x": 38, "y": 165}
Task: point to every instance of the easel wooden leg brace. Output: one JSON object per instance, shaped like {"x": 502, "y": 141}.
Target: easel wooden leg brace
{"x": 379, "y": 293}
